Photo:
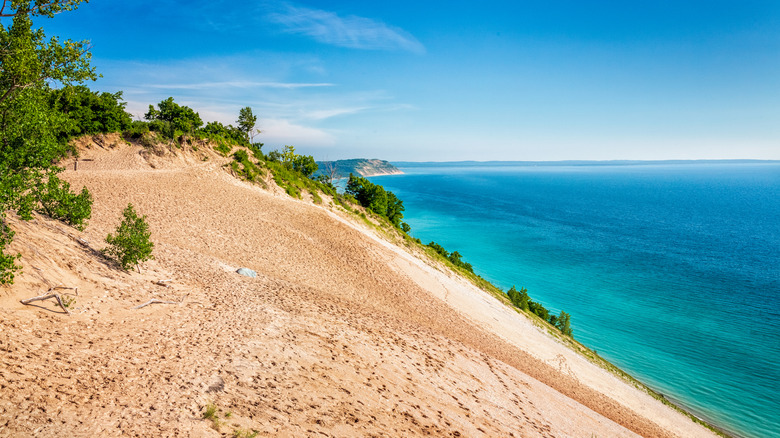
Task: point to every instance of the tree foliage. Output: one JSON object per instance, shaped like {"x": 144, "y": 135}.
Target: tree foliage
{"x": 375, "y": 198}
{"x": 564, "y": 323}
{"x": 58, "y": 202}
{"x": 217, "y": 131}
{"x": 13, "y": 8}
{"x": 90, "y": 112}
{"x": 174, "y": 118}
{"x": 131, "y": 245}
{"x": 29, "y": 63}
{"x": 246, "y": 122}
{"x": 454, "y": 257}
{"x": 8, "y": 266}
{"x": 304, "y": 164}
{"x": 519, "y": 298}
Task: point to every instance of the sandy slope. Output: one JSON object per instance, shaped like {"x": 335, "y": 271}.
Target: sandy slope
{"x": 341, "y": 333}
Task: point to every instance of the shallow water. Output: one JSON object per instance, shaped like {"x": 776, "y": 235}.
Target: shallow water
{"x": 672, "y": 272}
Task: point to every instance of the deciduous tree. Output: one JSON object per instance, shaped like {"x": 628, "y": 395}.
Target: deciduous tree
{"x": 29, "y": 63}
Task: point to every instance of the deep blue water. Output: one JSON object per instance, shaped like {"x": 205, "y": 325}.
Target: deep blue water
{"x": 671, "y": 272}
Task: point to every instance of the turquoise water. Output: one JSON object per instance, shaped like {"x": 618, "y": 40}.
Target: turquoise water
{"x": 672, "y": 272}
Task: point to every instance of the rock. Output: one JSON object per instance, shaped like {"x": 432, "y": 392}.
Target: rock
{"x": 247, "y": 272}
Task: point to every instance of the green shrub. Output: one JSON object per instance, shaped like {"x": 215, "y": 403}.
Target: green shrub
{"x": 7, "y": 266}
{"x": 131, "y": 245}
{"x": 57, "y": 201}
{"x": 244, "y": 167}
{"x": 217, "y": 132}
{"x": 223, "y": 148}
{"x": 137, "y": 129}
{"x": 257, "y": 151}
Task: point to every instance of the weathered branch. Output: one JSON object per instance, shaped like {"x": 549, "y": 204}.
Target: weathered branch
{"x": 56, "y": 296}
{"x": 155, "y": 301}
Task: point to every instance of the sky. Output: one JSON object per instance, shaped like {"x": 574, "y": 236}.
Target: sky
{"x": 455, "y": 80}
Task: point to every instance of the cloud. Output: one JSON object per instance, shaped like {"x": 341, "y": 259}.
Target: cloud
{"x": 332, "y": 112}
{"x": 282, "y": 131}
{"x": 350, "y": 31}
{"x": 238, "y": 84}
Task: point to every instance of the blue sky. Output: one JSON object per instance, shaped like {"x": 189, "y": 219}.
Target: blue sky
{"x": 456, "y": 80}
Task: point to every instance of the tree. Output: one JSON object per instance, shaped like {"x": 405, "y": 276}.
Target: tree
{"x": 395, "y": 209}
{"x": 28, "y": 125}
{"x": 304, "y": 164}
{"x": 288, "y": 156}
{"x": 375, "y": 198}
{"x": 90, "y": 112}
{"x": 519, "y": 298}
{"x": 28, "y": 61}
{"x": 175, "y": 117}
{"x": 131, "y": 245}
{"x": 246, "y": 123}
{"x": 13, "y": 8}
{"x": 217, "y": 131}
{"x": 564, "y": 323}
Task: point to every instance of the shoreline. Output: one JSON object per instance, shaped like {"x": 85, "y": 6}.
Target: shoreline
{"x": 301, "y": 334}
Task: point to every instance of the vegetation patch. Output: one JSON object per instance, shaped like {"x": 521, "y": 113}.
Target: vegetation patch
{"x": 131, "y": 245}
{"x": 58, "y": 202}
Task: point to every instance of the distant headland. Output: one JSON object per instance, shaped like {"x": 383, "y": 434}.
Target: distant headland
{"x": 359, "y": 166}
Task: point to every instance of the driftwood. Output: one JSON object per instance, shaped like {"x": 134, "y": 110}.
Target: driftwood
{"x": 76, "y": 162}
{"x": 163, "y": 283}
{"x": 155, "y": 301}
{"x": 54, "y": 295}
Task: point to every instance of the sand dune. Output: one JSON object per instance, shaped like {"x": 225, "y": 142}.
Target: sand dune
{"x": 341, "y": 334}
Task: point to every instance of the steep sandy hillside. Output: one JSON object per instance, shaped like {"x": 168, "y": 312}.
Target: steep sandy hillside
{"x": 340, "y": 334}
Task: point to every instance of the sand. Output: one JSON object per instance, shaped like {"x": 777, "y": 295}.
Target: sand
{"x": 342, "y": 333}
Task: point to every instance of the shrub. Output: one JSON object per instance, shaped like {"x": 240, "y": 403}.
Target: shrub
{"x": 223, "y": 148}
{"x": 57, "y": 201}
{"x": 244, "y": 167}
{"x": 7, "y": 266}
{"x": 218, "y": 132}
{"x": 131, "y": 245}
{"x": 137, "y": 129}
{"x": 257, "y": 150}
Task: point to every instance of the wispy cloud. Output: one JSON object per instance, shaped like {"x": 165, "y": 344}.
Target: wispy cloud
{"x": 282, "y": 131}
{"x": 349, "y": 31}
{"x": 332, "y": 112}
{"x": 238, "y": 84}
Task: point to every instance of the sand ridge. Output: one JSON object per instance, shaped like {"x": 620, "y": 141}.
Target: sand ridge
{"x": 339, "y": 335}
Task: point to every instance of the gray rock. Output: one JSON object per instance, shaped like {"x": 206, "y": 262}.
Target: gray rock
{"x": 247, "y": 272}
